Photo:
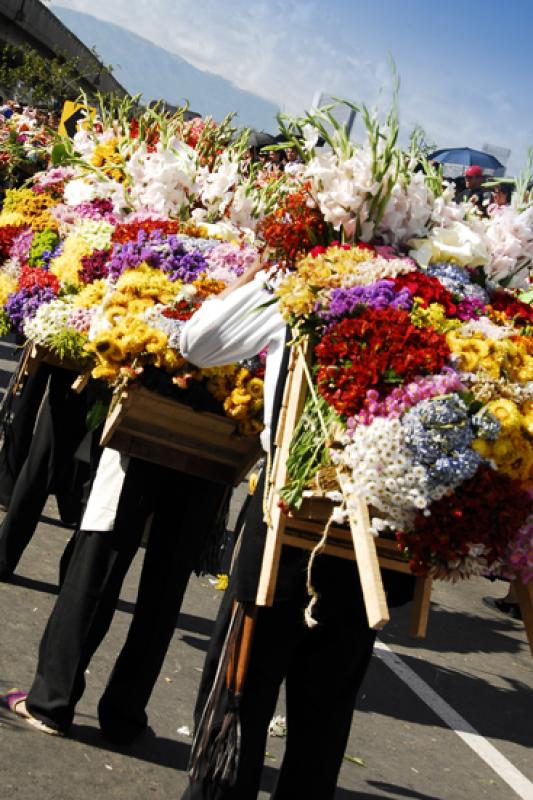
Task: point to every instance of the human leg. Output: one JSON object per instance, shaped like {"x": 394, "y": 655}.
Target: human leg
{"x": 19, "y": 432}
{"x": 326, "y": 671}
{"x": 59, "y": 430}
{"x": 186, "y": 511}
{"x": 84, "y": 608}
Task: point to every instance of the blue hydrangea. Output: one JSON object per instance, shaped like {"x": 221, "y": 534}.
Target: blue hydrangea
{"x": 439, "y": 433}
{"x": 458, "y": 281}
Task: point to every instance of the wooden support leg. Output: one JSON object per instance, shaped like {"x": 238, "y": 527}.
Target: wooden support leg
{"x": 421, "y": 605}
{"x": 366, "y": 556}
{"x": 524, "y": 592}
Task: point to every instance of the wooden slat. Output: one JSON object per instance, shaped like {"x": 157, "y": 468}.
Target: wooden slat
{"x": 294, "y": 398}
{"x": 364, "y": 543}
{"x": 421, "y": 606}
{"x": 146, "y": 425}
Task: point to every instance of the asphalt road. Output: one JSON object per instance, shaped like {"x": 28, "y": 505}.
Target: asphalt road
{"x": 473, "y": 661}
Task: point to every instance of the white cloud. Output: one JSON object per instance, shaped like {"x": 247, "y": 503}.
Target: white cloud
{"x": 287, "y": 50}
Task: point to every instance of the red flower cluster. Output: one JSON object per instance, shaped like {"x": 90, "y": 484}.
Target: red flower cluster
{"x": 151, "y": 136}
{"x": 30, "y": 277}
{"x": 486, "y": 510}
{"x": 7, "y": 234}
{"x": 377, "y": 348}
{"x": 293, "y": 228}
{"x": 428, "y": 289}
{"x": 320, "y": 249}
{"x": 512, "y": 307}
{"x": 182, "y": 310}
{"x": 128, "y": 231}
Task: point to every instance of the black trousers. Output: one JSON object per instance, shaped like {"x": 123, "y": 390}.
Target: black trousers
{"x": 323, "y": 668}
{"x": 49, "y": 464}
{"x": 19, "y": 432}
{"x": 184, "y": 512}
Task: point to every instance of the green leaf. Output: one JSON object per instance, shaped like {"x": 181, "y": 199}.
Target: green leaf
{"x": 59, "y": 154}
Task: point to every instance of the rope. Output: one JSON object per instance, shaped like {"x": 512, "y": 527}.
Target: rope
{"x": 310, "y": 621}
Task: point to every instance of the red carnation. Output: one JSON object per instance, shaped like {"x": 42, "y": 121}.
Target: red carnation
{"x": 378, "y": 348}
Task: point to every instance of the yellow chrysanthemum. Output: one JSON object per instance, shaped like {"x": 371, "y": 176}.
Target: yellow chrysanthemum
{"x": 90, "y": 295}
{"x": 33, "y": 208}
{"x": 67, "y": 265}
{"x": 8, "y": 284}
{"x": 506, "y": 412}
{"x": 147, "y": 282}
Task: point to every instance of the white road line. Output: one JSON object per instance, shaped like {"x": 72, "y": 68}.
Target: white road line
{"x": 484, "y": 749}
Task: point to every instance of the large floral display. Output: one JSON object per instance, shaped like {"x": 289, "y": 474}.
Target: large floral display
{"x": 106, "y": 255}
{"x": 421, "y": 396}
{"x": 24, "y": 146}
{"x": 420, "y": 385}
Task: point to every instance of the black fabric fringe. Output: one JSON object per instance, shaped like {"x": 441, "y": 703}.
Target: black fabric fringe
{"x": 217, "y": 739}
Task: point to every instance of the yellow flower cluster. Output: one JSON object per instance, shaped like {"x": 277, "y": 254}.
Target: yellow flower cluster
{"x": 502, "y": 357}
{"x": 433, "y": 316}
{"x": 147, "y": 283}
{"x": 8, "y": 284}
{"x": 297, "y": 292}
{"x": 91, "y": 295}
{"x": 107, "y": 156}
{"x": 24, "y": 207}
{"x": 513, "y": 450}
{"x": 67, "y": 265}
{"x": 240, "y": 393}
{"x": 130, "y": 337}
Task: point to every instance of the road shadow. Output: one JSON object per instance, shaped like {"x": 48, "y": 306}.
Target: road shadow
{"x": 456, "y": 632}
{"x": 185, "y": 622}
{"x": 400, "y": 791}
{"x": 494, "y": 711}
{"x": 34, "y": 585}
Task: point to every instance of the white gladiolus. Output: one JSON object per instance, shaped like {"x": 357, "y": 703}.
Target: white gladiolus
{"x": 216, "y": 188}
{"x": 509, "y": 235}
{"x": 164, "y": 181}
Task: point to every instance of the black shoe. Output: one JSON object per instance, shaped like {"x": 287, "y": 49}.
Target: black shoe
{"x": 503, "y": 606}
{"x": 124, "y": 736}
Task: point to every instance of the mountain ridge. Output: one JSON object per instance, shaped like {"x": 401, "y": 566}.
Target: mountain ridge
{"x": 145, "y": 68}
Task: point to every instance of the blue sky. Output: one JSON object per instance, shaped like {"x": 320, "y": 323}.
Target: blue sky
{"x": 464, "y": 66}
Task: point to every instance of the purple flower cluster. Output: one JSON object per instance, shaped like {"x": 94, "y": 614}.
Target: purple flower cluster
{"x": 167, "y": 254}
{"x": 180, "y": 264}
{"x": 402, "y": 398}
{"x": 380, "y": 295}
{"x": 20, "y": 249}
{"x": 470, "y": 308}
{"x": 25, "y": 302}
{"x": 95, "y": 266}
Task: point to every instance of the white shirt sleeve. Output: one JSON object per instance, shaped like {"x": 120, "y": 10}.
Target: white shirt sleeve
{"x": 238, "y": 326}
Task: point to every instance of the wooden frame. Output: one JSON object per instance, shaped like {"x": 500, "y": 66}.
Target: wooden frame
{"x": 280, "y": 532}
{"x": 146, "y": 425}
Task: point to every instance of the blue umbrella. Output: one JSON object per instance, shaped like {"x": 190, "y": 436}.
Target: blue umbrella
{"x": 465, "y": 156}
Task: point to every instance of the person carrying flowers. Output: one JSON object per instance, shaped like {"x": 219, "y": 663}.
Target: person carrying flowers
{"x": 323, "y": 666}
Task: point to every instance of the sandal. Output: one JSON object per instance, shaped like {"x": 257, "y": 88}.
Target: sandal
{"x": 15, "y": 700}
